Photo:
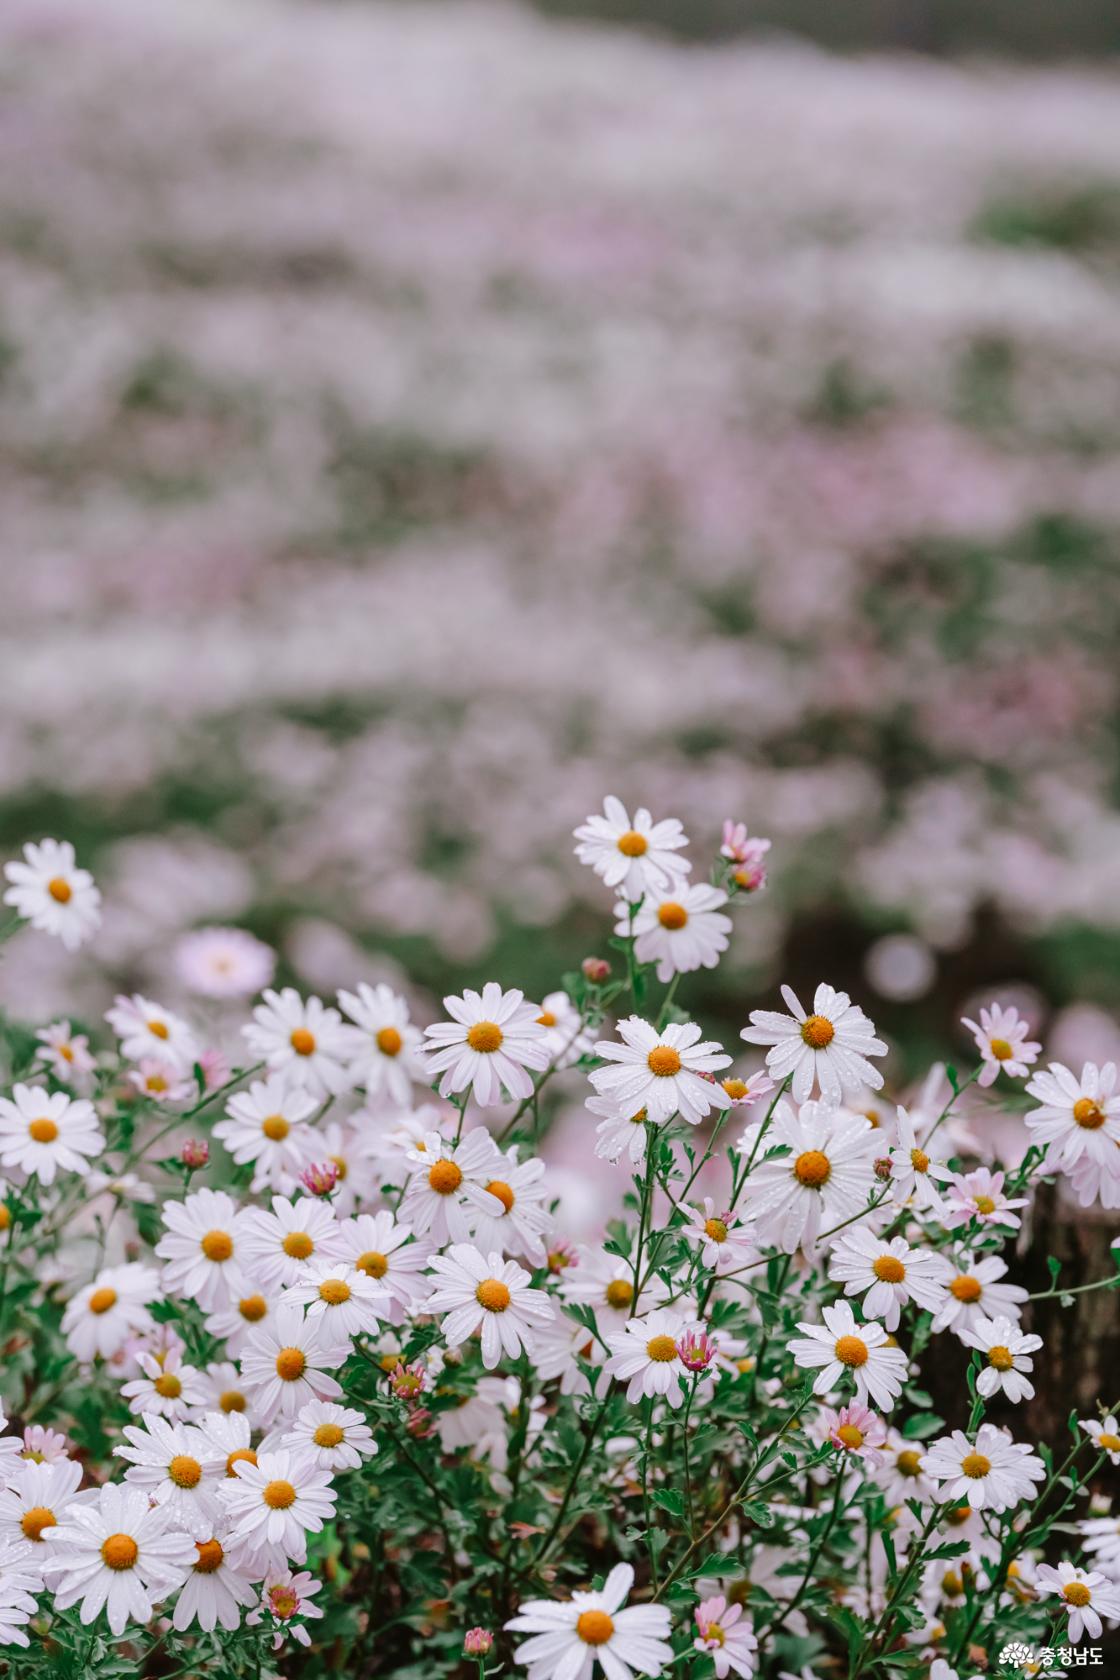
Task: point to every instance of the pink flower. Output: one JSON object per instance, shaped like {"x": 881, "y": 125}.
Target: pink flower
{"x": 195, "y": 1153}
{"x": 979, "y": 1195}
{"x": 1001, "y": 1039}
{"x": 747, "y": 854}
{"x": 729, "y": 1642}
{"x": 479, "y": 1642}
{"x": 696, "y": 1349}
{"x": 320, "y": 1178}
{"x": 856, "y": 1430}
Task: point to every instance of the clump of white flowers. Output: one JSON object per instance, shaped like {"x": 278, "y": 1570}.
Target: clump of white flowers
{"x": 311, "y": 1348}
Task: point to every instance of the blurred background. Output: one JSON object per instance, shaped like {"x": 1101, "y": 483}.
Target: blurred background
{"x": 418, "y": 419}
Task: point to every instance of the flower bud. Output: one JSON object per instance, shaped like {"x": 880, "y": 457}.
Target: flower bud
{"x": 320, "y": 1178}
{"x": 195, "y": 1153}
{"x": 696, "y": 1349}
{"x": 561, "y": 1255}
{"x": 479, "y": 1642}
{"x": 419, "y": 1423}
{"x": 883, "y": 1168}
{"x": 596, "y": 970}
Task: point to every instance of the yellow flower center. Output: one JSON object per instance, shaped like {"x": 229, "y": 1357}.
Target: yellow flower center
{"x": 716, "y": 1229}
{"x": 672, "y": 915}
{"x": 633, "y": 844}
{"x": 492, "y": 1294}
{"x": 952, "y": 1584}
{"x": 546, "y": 1018}
{"x": 965, "y": 1288}
{"x": 812, "y": 1168}
{"x": 185, "y": 1472}
{"x": 160, "y": 1030}
{"x": 485, "y": 1037}
{"x": 156, "y": 1083}
{"x": 373, "y": 1264}
{"x": 279, "y": 1495}
{"x": 5, "y": 1216}
{"x": 445, "y": 1177}
{"x": 1001, "y": 1358}
{"x": 889, "y": 1269}
{"x": 850, "y": 1435}
{"x": 620, "y": 1293}
{"x": 168, "y": 1386}
{"x": 120, "y": 1551}
{"x": 594, "y": 1627}
{"x": 43, "y": 1131}
{"x": 275, "y": 1127}
{"x": 919, "y": 1160}
{"x": 818, "y": 1032}
{"x": 302, "y": 1042}
{"x": 101, "y": 1300}
{"x": 1109, "y": 1443}
{"x": 217, "y": 1245}
{"x": 35, "y": 1520}
{"x": 497, "y": 1187}
{"x": 283, "y": 1602}
{"x": 1001, "y": 1050}
{"x": 984, "y": 1204}
{"x": 735, "y": 1088}
{"x": 908, "y": 1463}
{"x": 1077, "y": 1593}
{"x": 298, "y": 1245}
{"x": 851, "y": 1350}
{"x": 60, "y": 890}
{"x": 328, "y": 1435}
{"x": 390, "y": 1042}
{"x": 210, "y": 1556}
{"x": 240, "y": 1455}
{"x": 664, "y": 1061}
{"x": 1088, "y": 1114}
{"x": 975, "y": 1465}
{"x": 232, "y": 1400}
{"x": 290, "y": 1364}
{"x": 252, "y": 1308}
{"x": 661, "y": 1349}
{"x": 334, "y": 1291}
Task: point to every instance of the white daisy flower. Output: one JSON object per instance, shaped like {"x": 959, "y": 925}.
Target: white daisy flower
{"x": 724, "y": 1242}
{"x": 644, "y": 1356}
{"x": 573, "y": 1636}
{"x": 491, "y": 1042}
{"x": 34, "y": 1499}
{"x": 202, "y": 1249}
{"x": 166, "y": 1387}
{"x": 976, "y": 1293}
{"x": 901, "y": 1475}
{"x": 40, "y": 1446}
{"x": 825, "y": 1178}
{"x": 53, "y": 894}
{"x": 747, "y": 1089}
{"x": 566, "y": 1037}
{"x": 147, "y": 1029}
{"x": 19, "y": 1582}
{"x": 632, "y": 858}
{"x": 486, "y": 1293}
{"x": 435, "y": 1204}
{"x": 662, "y": 1072}
{"x": 1100, "y": 1537}
{"x": 100, "y": 1318}
{"x": 65, "y": 1054}
{"x": 509, "y": 1212}
{"x": 619, "y": 1132}
{"x": 223, "y": 962}
{"x": 229, "y": 1434}
{"x": 161, "y": 1081}
{"x": 830, "y": 1046}
{"x": 1007, "y": 1353}
{"x": 118, "y": 1554}
{"x": 380, "y": 1247}
{"x": 1105, "y": 1435}
{"x": 990, "y": 1474}
{"x": 558, "y": 1348}
{"x": 224, "y": 1389}
{"x": 890, "y": 1271}
{"x": 216, "y": 1589}
{"x": 605, "y": 1282}
{"x": 304, "y": 1040}
{"x": 178, "y": 1467}
{"x": 265, "y": 1125}
{"x": 285, "y": 1364}
{"x": 284, "y": 1596}
{"x": 679, "y": 928}
{"x": 346, "y": 1300}
{"x": 1001, "y": 1038}
{"x": 1086, "y": 1595}
{"x": 278, "y": 1245}
{"x": 386, "y": 1058}
{"x": 275, "y": 1503}
{"x": 841, "y": 1345}
{"x": 235, "y": 1321}
{"x": 333, "y": 1437}
{"x": 1078, "y": 1118}
{"x": 43, "y": 1133}
{"x": 916, "y": 1173}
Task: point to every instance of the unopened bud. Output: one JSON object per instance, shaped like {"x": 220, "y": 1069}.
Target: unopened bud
{"x": 479, "y": 1642}
{"x": 419, "y": 1423}
{"x": 561, "y": 1255}
{"x": 596, "y": 970}
{"x": 883, "y": 1168}
{"x": 195, "y": 1153}
{"x": 320, "y": 1178}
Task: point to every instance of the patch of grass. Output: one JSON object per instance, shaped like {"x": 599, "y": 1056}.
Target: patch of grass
{"x": 1081, "y": 218}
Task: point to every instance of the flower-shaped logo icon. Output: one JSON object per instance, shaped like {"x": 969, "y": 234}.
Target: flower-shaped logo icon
{"x": 1016, "y": 1655}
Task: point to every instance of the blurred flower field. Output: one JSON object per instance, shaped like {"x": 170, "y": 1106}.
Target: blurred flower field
{"x": 418, "y": 420}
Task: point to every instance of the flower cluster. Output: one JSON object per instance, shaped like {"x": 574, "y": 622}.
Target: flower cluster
{"x": 338, "y": 1369}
